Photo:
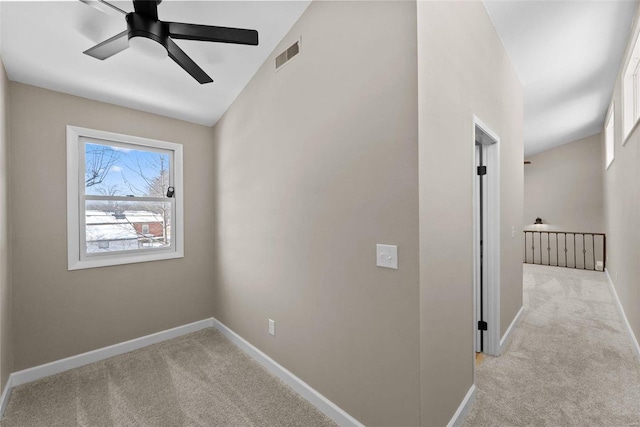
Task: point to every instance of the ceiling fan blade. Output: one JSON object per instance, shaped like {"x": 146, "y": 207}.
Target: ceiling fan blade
{"x": 187, "y": 63}
{"x": 104, "y": 7}
{"x": 209, "y": 33}
{"x": 147, "y": 7}
{"x": 110, "y": 47}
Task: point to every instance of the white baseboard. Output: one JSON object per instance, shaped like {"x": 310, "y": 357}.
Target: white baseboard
{"x": 6, "y": 393}
{"x": 324, "y": 405}
{"x": 48, "y": 369}
{"x": 463, "y": 409}
{"x": 504, "y": 341}
{"x": 58, "y": 366}
{"x": 624, "y": 316}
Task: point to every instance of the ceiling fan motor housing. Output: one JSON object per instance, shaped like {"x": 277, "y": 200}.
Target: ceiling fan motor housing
{"x": 143, "y": 26}
{"x": 154, "y": 38}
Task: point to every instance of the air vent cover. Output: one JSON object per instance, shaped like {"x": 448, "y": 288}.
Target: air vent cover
{"x": 285, "y": 56}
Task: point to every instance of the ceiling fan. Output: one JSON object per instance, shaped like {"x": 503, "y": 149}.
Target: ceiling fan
{"x": 146, "y": 33}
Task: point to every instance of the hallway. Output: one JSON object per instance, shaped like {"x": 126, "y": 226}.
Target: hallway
{"x": 571, "y": 361}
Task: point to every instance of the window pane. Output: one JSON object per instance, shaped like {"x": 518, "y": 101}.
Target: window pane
{"x": 609, "y": 139}
{"x": 114, "y": 170}
{"x": 126, "y": 226}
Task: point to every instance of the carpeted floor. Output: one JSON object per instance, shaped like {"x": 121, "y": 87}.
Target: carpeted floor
{"x": 200, "y": 379}
{"x": 570, "y": 362}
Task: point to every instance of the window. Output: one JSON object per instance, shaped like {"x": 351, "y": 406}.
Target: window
{"x": 631, "y": 92}
{"x": 609, "y": 136}
{"x": 118, "y": 211}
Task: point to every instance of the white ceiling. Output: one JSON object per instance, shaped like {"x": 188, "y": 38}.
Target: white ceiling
{"x": 567, "y": 55}
{"x": 42, "y": 45}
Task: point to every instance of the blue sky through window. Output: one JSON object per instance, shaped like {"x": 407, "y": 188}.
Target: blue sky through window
{"x": 117, "y": 171}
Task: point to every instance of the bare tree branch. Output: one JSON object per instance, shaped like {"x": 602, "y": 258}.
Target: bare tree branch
{"x": 99, "y": 160}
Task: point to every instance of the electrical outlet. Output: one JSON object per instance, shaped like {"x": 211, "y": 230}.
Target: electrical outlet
{"x": 272, "y": 327}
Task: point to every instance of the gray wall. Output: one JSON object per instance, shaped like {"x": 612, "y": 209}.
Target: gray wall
{"x": 622, "y": 210}
{"x": 316, "y": 163}
{"x": 563, "y": 186}
{"x": 6, "y": 345}
{"x": 463, "y": 71}
{"x": 59, "y": 313}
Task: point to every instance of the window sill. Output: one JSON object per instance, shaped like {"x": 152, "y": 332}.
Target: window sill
{"x": 121, "y": 260}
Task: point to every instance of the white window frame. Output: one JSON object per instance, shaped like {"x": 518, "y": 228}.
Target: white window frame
{"x": 610, "y": 136}
{"x": 76, "y": 247}
{"x": 631, "y": 92}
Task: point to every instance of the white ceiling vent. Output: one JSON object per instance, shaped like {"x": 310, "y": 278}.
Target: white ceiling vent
{"x": 285, "y": 56}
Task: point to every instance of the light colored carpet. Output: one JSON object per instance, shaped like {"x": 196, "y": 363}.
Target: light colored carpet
{"x": 571, "y": 361}
{"x": 200, "y": 379}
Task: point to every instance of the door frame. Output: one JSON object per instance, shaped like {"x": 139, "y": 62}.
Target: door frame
{"x": 491, "y": 306}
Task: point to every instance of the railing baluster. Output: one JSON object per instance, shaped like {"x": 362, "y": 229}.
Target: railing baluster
{"x": 604, "y": 252}
{"x": 540, "y": 233}
{"x": 556, "y": 234}
{"x": 593, "y": 241}
{"x": 584, "y": 254}
{"x": 533, "y": 247}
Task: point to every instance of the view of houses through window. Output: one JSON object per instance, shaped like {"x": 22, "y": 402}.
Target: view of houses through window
{"x": 126, "y": 207}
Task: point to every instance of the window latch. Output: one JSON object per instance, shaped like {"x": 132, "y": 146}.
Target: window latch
{"x": 170, "y": 192}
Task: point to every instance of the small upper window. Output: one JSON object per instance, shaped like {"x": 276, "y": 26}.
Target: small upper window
{"x": 118, "y": 209}
{"x": 609, "y": 136}
{"x": 631, "y": 92}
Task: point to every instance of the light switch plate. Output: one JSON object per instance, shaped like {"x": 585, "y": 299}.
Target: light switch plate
{"x": 272, "y": 327}
{"x": 387, "y": 256}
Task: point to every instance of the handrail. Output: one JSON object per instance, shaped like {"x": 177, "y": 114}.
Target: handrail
{"x": 564, "y": 244}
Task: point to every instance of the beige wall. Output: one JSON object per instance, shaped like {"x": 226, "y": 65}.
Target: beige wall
{"x": 563, "y": 186}
{"x": 463, "y": 71}
{"x": 312, "y": 166}
{"x": 6, "y": 346}
{"x": 316, "y": 163}
{"x": 622, "y": 210}
{"x": 59, "y": 313}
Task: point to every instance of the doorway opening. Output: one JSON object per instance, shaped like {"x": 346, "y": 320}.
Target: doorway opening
{"x": 486, "y": 242}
